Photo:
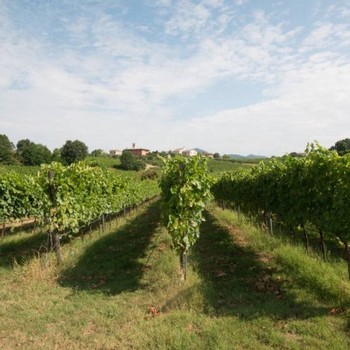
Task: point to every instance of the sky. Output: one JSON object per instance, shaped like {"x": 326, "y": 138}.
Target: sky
{"x": 230, "y": 76}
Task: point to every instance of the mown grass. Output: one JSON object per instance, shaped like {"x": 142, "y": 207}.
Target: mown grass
{"x": 121, "y": 290}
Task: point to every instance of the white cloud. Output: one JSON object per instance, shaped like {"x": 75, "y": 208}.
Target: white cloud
{"x": 116, "y": 85}
{"x": 111, "y": 37}
{"x": 327, "y": 35}
{"x": 345, "y": 11}
{"x": 165, "y": 3}
{"x": 240, "y": 2}
{"x": 189, "y": 18}
{"x": 341, "y": 11}
{"x": 312, "y": 104}
{"x": 214, "y": 3}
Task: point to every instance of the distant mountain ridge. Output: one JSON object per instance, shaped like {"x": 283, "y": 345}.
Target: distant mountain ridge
{"x": 200, "y": 151}
{"x": 235, "y": 156}
{"x": 249, "y": 156}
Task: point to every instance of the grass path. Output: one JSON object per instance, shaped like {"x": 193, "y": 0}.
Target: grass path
{"x": 121, "y": 290}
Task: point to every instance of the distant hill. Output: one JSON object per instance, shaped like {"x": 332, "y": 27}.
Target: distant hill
{"x": 254, "y": 156}
{"x": 234, "y": 156}
{"x": 249, "y": 156}
{"x": 200, "y": 151}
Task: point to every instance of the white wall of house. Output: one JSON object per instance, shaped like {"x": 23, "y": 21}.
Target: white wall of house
{"x": 190, "y": 153}
{"x": 115, "y": 152}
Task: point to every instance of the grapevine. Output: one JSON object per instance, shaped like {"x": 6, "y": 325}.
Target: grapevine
{"x": 69, "y": 198}
{"x": 185, "y": 186}
{"x": 313, "y": 190}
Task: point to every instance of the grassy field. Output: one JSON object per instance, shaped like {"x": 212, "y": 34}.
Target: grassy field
{"x": 214, "y": 166}
{"x": 103, "y": 161}
{"x": 218, "y": 165}
{"x": 29, "y": 170}
{"x": 121, "y": 290}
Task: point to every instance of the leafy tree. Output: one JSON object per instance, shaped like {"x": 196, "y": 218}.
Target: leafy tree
{"x": 163, "y": 154}
{"x": 342, "y": 146}
{"x": 30, "y": 153}
{"x": 126, "y": 161}
{"x": 154, "y": 159}
{"x": 130, "y": 162}
{"x": 22, "y": 144}
{"x": 6, "y": 150}
{"x": 56, "y": 155}
{"x": 98, "y": 153}
{"x": 296, "y": 154}
{"x": 73, "y": 151}
{"x": 216, "y": 155}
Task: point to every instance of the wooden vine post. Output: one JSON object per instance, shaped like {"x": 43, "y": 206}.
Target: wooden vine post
{"x": 54, "y": 238}
{"x": 306, "y": 238}
{"x": 322, "y": 245}
{"x": 182, "y": 250}
{"x": 347, "y": 256}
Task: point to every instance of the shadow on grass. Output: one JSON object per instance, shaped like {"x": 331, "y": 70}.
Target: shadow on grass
{"x": 111, "y": 265}
{"x": 22, "y": 248}
{"x": 237, "y": 282}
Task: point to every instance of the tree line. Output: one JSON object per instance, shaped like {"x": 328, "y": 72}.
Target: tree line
{"x": 27, "y": 152}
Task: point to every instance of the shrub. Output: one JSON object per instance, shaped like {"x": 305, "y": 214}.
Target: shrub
{"x": 149, "y": 175}
{"x": 129, "y": 162}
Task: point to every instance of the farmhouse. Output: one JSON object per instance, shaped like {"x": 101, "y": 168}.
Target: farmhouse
{"x": 179, "y": 150}
{"x": 186, "y": 152}
{"x": 137, "y": 151}
{"x": 209, "y": 155}
{"x": 190, "y": 153}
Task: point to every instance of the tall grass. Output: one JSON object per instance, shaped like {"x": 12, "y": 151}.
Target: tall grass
{"x": 326, "y": 281}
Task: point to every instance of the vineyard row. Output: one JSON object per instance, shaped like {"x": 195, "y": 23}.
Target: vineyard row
{"x": 69, "y": 197}
{"x": 305, "y": 191}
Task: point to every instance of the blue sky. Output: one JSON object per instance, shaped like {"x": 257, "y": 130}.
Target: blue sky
{"x": 228, "y": 76}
